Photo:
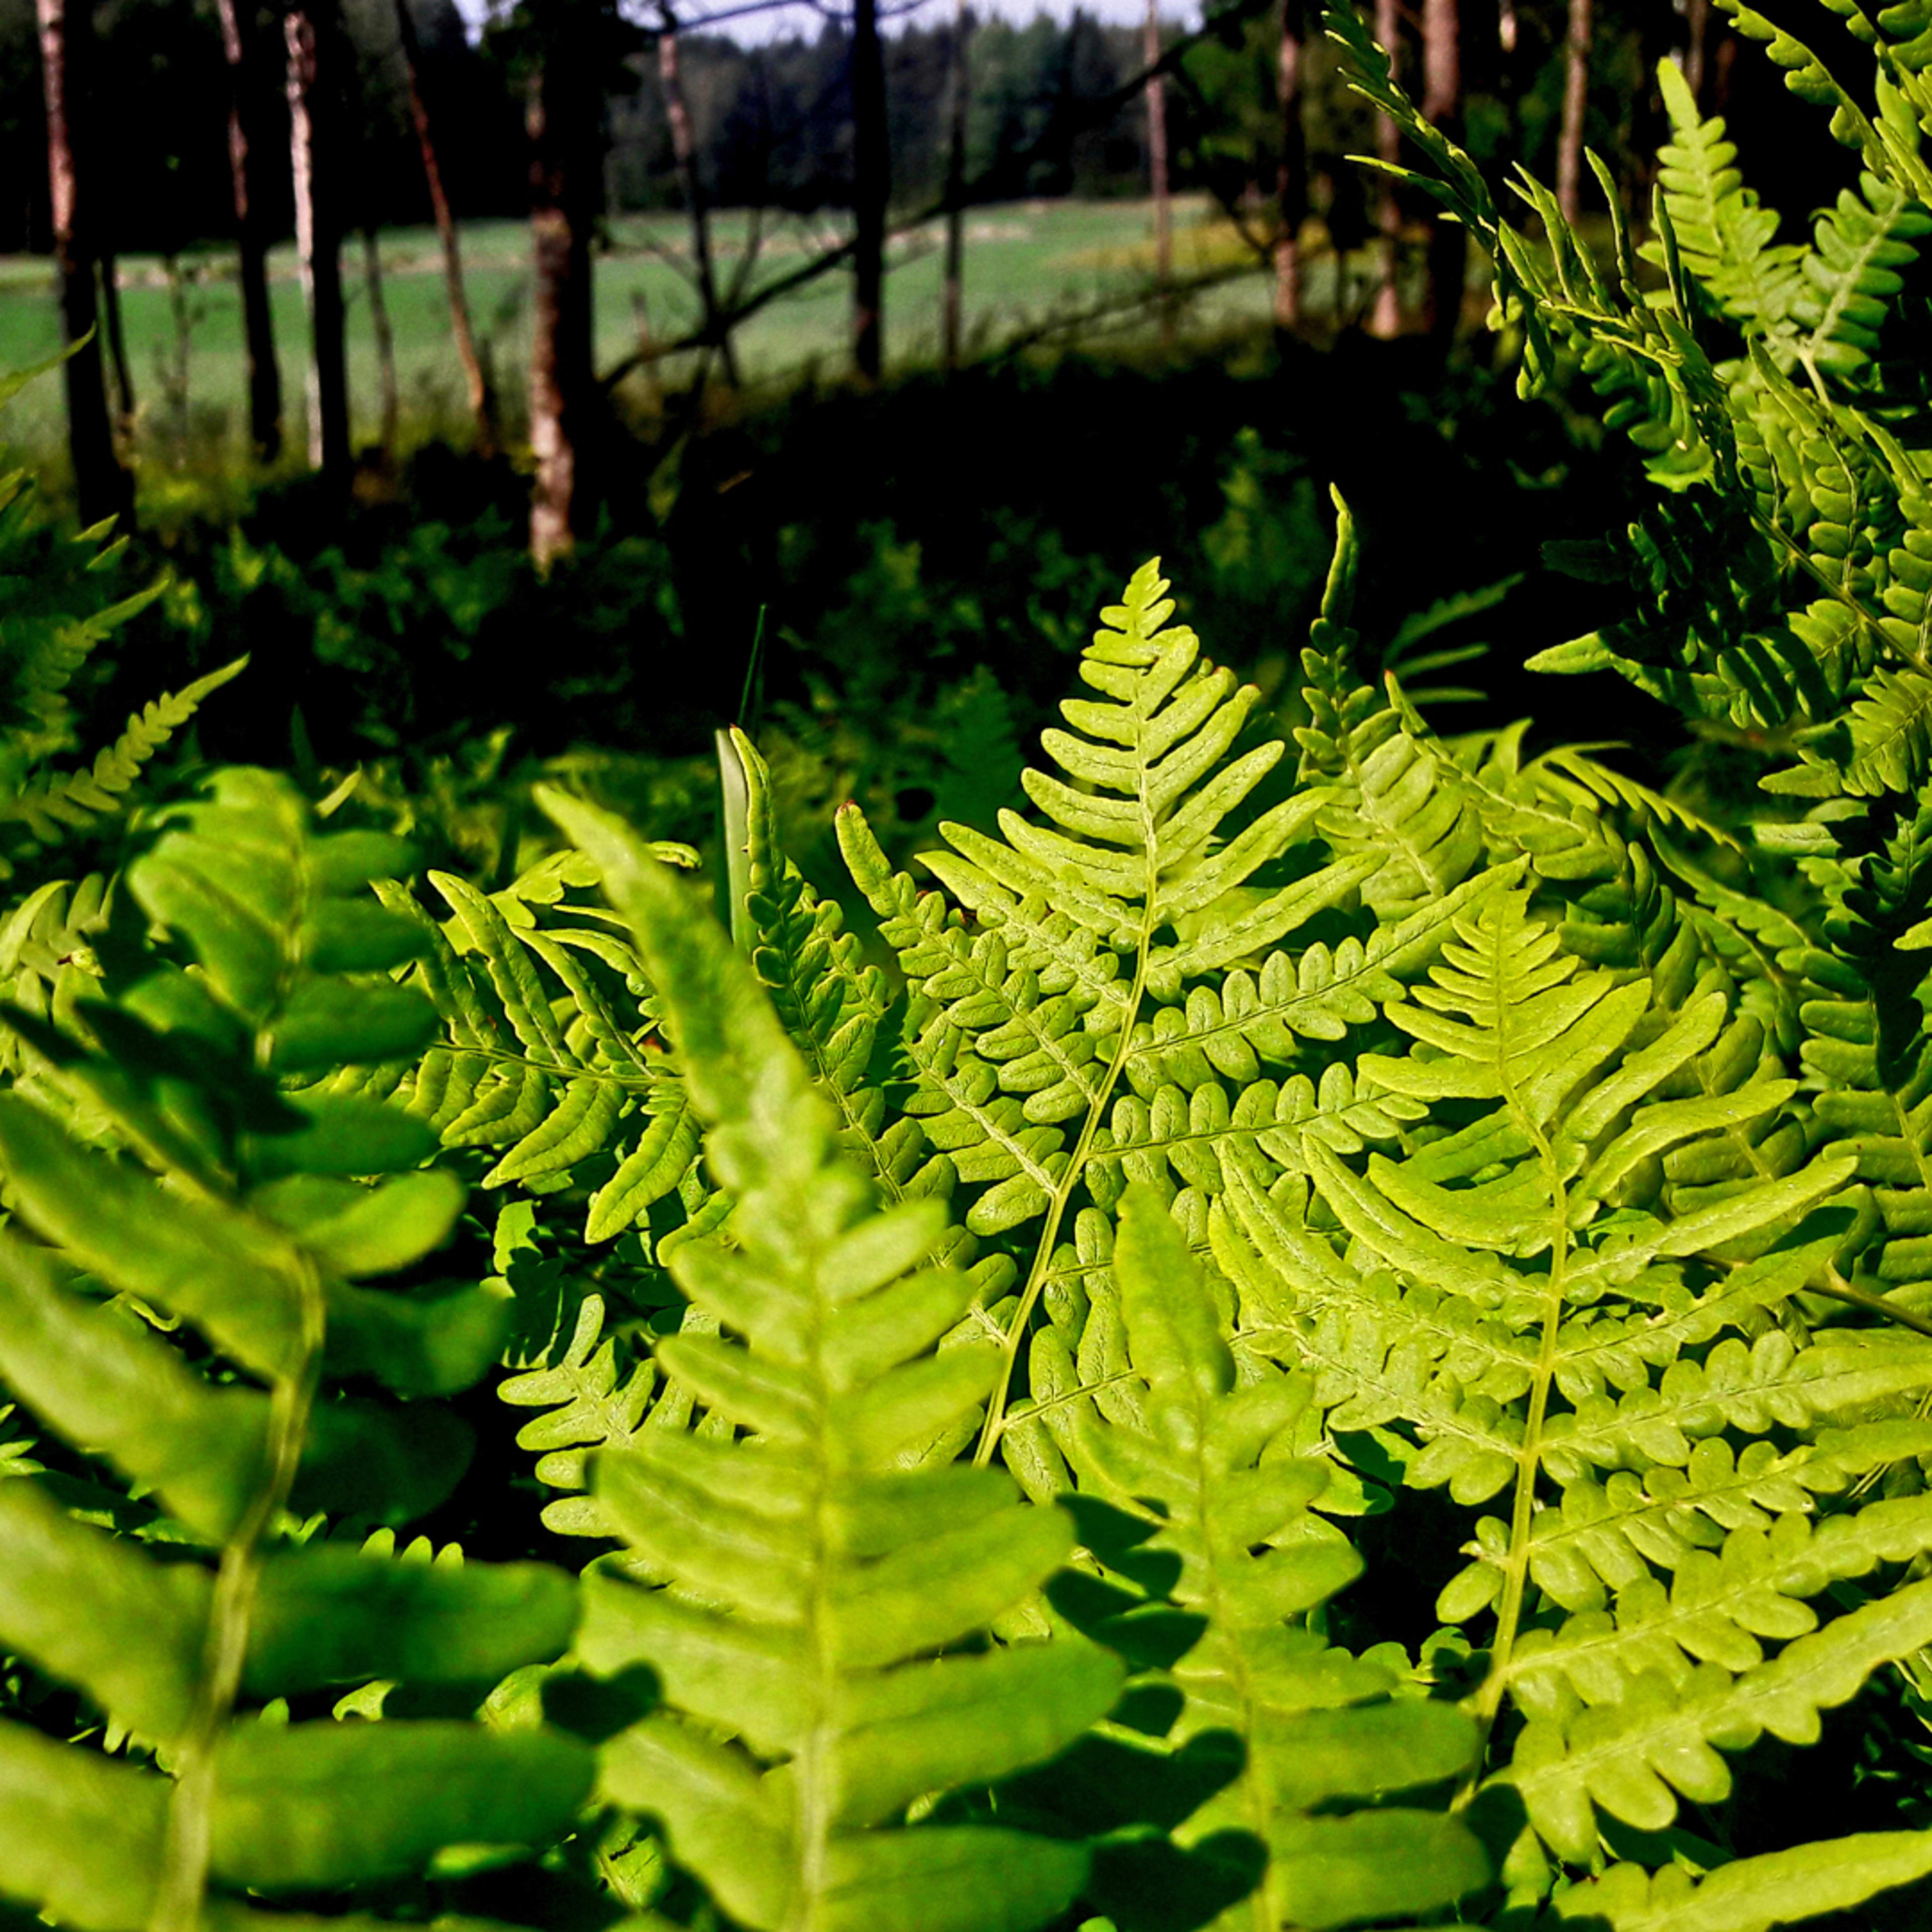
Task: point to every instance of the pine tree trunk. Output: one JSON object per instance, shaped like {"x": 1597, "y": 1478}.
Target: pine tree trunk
{"x": 482, "y": 401}
{"x": 318, "y": 235}
{"x": 561, "y": 368}
{"x": 872, "y": 188}
{"x": 1575, "y": 103}
{"x": 1157, "y": 179}
{"x": 1290, "y": 176}
{"x": 102, "y": 488}
{"x": 1442, "y": 108}
{"x": 385, "y": 346}
{"x": 958, "y": 95}
{"x": 684, "y": 153}
{"x": 1385, "y": 318}
{"x": 264, "y": 378}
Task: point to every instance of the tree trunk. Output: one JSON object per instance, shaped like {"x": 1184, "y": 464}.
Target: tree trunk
{"x": 1385, "y": 320}
{"x": 482, "y": 400}
{"x": 561, "y": 368}
{"x": 872, "y": 188}
{"x": 265, "y": 379}
{"x": 1163, "y": 210}
{"x": 318, "y": 236}
{"x": 102, "y": 488}
{"x": 1575, "y": 103}
{"x": 117, "y": 349}
{"x": 385, "y": 345}
{"x": 1290, "y": 175}
{"x": 1442, "y": 108}
{"x": 958, "y": 90}
{"x": 178, "y": 370}
{"x": 1697, "y": 30}
{"x": 684, "y": 153}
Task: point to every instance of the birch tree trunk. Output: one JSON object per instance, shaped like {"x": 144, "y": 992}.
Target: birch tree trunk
{"x": 1575, "y": 103}
{"x": 561, "y": 369}
{"x": 1291, "y": 175}
{"x": 1163, "y": 210}
{"x": 684, "y": 153}
{"x": 871, "y": 186}
{"x": 1385, "y": 318}
{"x": 307, "y": 27}
{"x": 958, "y": 90}
{"x": 265, "y": 377}
{"x": 102, "y": 488}
{"x": 482, "y": 400}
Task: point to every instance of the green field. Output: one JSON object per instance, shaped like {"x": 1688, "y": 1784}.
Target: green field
{"x": 1026, "y": 264}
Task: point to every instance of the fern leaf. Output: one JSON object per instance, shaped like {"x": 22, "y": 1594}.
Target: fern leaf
{"x": 807, "y": 1649}
{"x": 231, "y": 1212}
{"x": 1198, "y": 1471}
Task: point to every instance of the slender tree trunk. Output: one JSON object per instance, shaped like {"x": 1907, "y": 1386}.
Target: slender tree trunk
{"x": 1697, "y": 30}
{"x": 561, "y": 378}
{"x": 264, "y": 378}
{"x": 1385, "y": 320}
{"x": 1163, "y": 208}
{"x": 1290, "y": 176}
{"x": 1442, "y": 108}
{"x": 179, "y": 369}
{"x": 684, "y": 153}
{"x": 318, "y": 237}
{"x": 385, "y": 344}
{"x": 1575, "y": 103}
{"x": 117, "y": 349}
{"x": 482, "y": 399}
{"x": 1507, "y": 26}
{"x": 959, "y": 92}
{"x": 102, "y": 488}
{"x": 872, "y": 188}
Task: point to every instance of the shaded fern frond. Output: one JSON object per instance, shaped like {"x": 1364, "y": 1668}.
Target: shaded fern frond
{"x": 1200, "y": 1470}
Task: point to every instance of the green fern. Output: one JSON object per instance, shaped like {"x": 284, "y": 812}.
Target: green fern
{"x": 812, "y": 1577}
{"x": 228, "y": 1212}
{"x": 1205, "y": 1476}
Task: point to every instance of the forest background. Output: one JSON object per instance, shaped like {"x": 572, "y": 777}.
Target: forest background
{"x": 394, "y": 344}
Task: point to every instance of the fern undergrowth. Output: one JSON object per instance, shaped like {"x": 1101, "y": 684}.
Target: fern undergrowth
{"x": 987, "y": 1361}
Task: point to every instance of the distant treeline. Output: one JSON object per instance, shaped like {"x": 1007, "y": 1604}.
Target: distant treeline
{"x": 773, "y": 122}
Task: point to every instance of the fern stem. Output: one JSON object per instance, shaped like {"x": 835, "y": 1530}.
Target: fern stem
{"x": 178, "y": 1899}
{"x": 995, "y": 1425}
{"x": 1840, "y": 1289}
{"x": 1515, "y": 1575}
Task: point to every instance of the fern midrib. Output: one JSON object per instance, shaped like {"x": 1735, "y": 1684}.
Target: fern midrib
{"x": 1060, "y": 1193}
{"x": 813, "y": 1780}
{"x": 1264, "y": 1908}
{"x": 1515, "y": 1573}
{"x": 189, "y": 1841}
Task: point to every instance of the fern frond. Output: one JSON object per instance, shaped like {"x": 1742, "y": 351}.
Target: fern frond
{"x": 549, "y": 1054}
{"x": 1030, "y": 992}
{"x": 1199, "y": 1470}
{"x": 1727, "y": 240}
{"x": 812, "y": 1576}
{"x": 233, "y": 1213}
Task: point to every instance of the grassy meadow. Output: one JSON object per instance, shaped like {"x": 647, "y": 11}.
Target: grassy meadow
{"x": 1029, "y": 265}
